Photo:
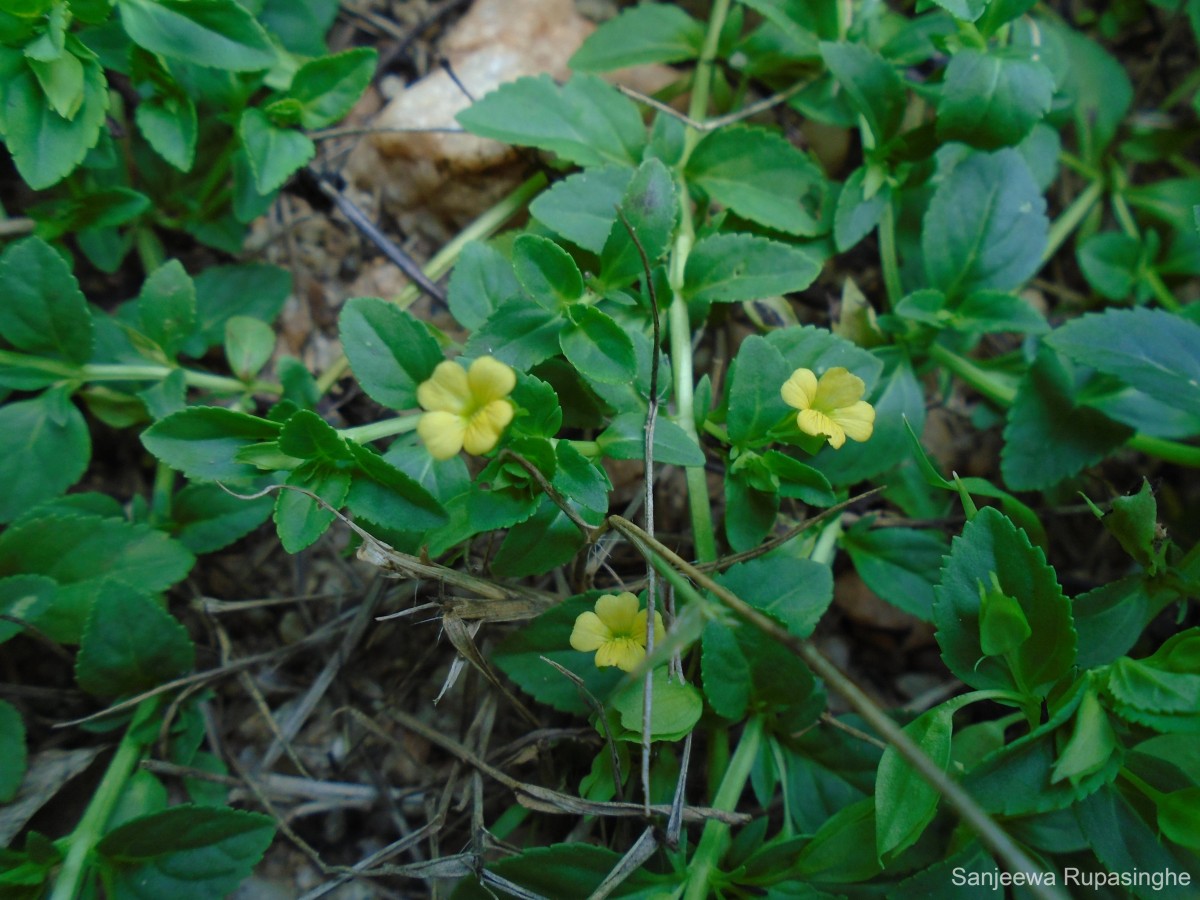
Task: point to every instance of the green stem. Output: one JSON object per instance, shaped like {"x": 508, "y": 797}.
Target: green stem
{"x": 1161, "y": 292}
{"x": 713, "y": 840}
{"x": 364, "y": 434}
{"x": 888, "y": 256}
{"x": 92, "y": 826}
{"x": 702, "y": 84}
{"x": 1003, "y": 394}
{"x": 122, "y": 372}
{"x": 1070, "y": 218}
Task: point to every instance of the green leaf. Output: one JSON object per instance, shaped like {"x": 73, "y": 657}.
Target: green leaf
{"x": 992, "y": 100}
{"x": 390, "y": 351}
{"x": 798, "y": 480}
{"x": 166, "y": 307}
{"x": 1092, "y": 742}
{"x": 249, "y": 344}
{"x": 726, "y": 268}
{"x": 625, "y": 439}
{"x": 61, "y": 80}
{"x": 991, "y": 546}
{"x": 43, "y": 312}
{"x": 985, "y": 227}
{"x": 217, "y": 33}
{"x": 305, "y": 435}
{"x": 299, "y": 518}
{"x": 12, "y": 751}
{"x": 169, "y": 124}
{"x": 586, "y": 121}
{"x": 818, "y": 349}
{"x": 546, "y": 271}
{"x": 1093, "y": 85}
{"x": 83, "y": 554}
{"x": 843, "y": 849}
{"x": 23, "y": 597}
{"x": 202, "y": 442}
{"x": 519, "y": 333}
{"x": 1049, "y": 436}
{"x": 1133, "y": 521}
{"x": 206, "y": 518}
{"x": 871, "y": 84}
{"x": 131, "y": 644}
{"x": 385, "y": 494}
{"x": 274, "y": 153}
{"x": 185, "y": 852}
{"x": 251, "y": 289}
{"x": 743, "y": 670}
{"x": 750, "y": 511}
{"x": 1111, "y": 262}
{"x": 755, "y": 404}
{"x": 796, "y": 592}
{"x": 45, "y": 146}
{"x": 649, "y": 33}
{"x": 329, "y": 86}
{"x": 967, "y": 10}
{"x": 986, "y": 312}
{"x": 44, "y": 449}
{"x": 564, "y": 870}
{"x": 482, "y": 279}
{"x": 544, "y": 541}
{"x": 650, "y": 207}
{"x": 760, "y": 176}
{"x": 675, "y": 707}
{"x": 856, "y": 215}
{"x": 904, "y": 802}
{"x": 1152, "y": 350}
{"x": 598, "y": 347}
{"x": 582, "y": 207}
{"x": 898, "y": 564}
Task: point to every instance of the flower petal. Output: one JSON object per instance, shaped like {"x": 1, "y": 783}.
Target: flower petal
{"x": 857, "y": 420}
{"x": 589, "y": 633}
{"x": 442, "y": 433}
{"x": 446, "y": 390}
{"x": 799, "y": 390}
{"x": 490, "y": 380}
{"x": 622, "y": 653}
{"x": 486, "y": 425}
{"x": 838, "y": 387}
{"x": 618, "y": 612}
{"x": 817, "y": 423}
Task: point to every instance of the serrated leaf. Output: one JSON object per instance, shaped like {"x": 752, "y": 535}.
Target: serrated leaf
{"x": 796, "y": 592}
{"x": 249, "y": 289}
{"x": 166, "y": 306}
{"x": 760, "y": 176}
{"x": 217, "y": 33}
{"x": 185, "y": 852}
{"x": 586, "y": 121}
{"x": 131, "y": 644}
{"x": 24, "y": 598}
{"x": 206, "y": 518}
{"x": 755, "y": 404}
{"x": 482, "y": 279}
{"x": 625, "y": 439}
{"x": 726, "y": 268}
{"x": 249, "y": 344}
{"x": 648, "y": 33}
{"x": 1049, "y": 436}
{"x": 274, "y": 153}
{"x": 45, "y": 448}
{"x": 45, "y": 146}
{"x": 582, "y": 207}
{"x": 169, "y": 124}
{"x": 856, "y": 216}
{"x": 203, "y": 441}
{"x": 993, "y": 99}
{"x": 390, "y": 351}
{"x": 967, "y": 10}
{"x": 388, "y": 495}
{"x": 328, "y": 87}
{"x": 898, "y": 564}
{"x": 12, "y": 751}
{"x": 989, "y": 544}
{"x": 544, "y": 541}
{"x": 985, "y": 227}
{"x": 1152, "y": 350}
{"x": 83, "y": 553}
{"x": 546, "y": 271}
{"x": 650, "y": 207}
{"x": 872, "y": 85}
{"x": 519, "y": 333}
{"x": 598, "y": 347}
{"x": 301, "y": 519}
{"x": 43, "y": 312}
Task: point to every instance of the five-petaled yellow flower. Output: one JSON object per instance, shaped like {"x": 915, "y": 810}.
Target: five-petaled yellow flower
{"x": 616, "y": 631}
{"x": 832, "y": 406}
{"x": 465, "y": 408}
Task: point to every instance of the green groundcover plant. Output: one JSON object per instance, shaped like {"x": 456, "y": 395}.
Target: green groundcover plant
{"x": 993, "y": 140}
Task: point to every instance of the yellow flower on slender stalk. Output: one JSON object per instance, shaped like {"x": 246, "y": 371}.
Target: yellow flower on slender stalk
{"x": 616, "y": 631}
{"x": 465, "y": 408}
{"x": 832, "y": 406}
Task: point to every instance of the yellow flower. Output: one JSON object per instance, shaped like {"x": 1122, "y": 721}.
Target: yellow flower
{"x": 832, "y": 406}
{"x": 465, "y": 408}
{"x": 616, "y": 631}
